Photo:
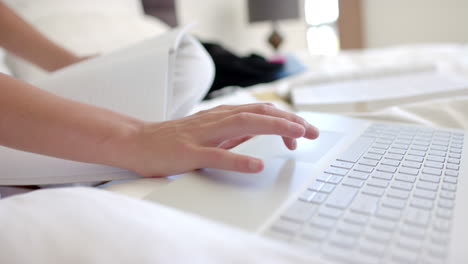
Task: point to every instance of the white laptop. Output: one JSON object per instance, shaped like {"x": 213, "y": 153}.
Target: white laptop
{"x": 363, "y": 192}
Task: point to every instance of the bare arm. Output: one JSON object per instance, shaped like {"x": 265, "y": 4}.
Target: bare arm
{"x": 21, "y": 39}
{"x": 34, "y": 120}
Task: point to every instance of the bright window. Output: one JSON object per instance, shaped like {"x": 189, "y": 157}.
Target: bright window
{"x": 322, "y": 35}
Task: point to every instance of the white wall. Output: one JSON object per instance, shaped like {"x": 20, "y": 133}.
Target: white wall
{"x": 393, "y": 22}
{"x": 226, "y": 21}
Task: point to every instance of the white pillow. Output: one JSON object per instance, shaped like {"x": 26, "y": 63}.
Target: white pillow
{"x": 84, "y": 225}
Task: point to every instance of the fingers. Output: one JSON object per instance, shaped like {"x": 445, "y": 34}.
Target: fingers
{"x": 290, "y": 143}
{"x": 217, "y": 158}
{"x": 244, "y": 124}
{"x": 269, "y": 109}
{"x": 228, "y": 144}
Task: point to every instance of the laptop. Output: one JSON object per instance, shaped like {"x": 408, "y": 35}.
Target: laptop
{"x": 363, "y": 192}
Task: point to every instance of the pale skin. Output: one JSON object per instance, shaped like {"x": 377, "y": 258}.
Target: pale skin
{"x": 35, "y": 120}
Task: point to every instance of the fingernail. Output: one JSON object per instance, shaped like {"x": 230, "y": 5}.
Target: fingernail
{"x": 294, "y": 144}
{"x": 255, "y": 165}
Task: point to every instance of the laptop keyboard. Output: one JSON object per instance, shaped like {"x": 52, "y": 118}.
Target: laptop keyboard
{"x": 388, "y": 199}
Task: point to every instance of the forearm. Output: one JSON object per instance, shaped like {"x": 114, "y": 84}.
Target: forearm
{"x": 21, "y": 39}
{"x": 37, "y": 121}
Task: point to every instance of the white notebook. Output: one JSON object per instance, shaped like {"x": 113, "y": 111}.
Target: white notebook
{"x": 373, "y": 93}
{"x": 136, "y": 81}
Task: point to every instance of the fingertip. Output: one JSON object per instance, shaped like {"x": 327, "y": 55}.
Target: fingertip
{"x": 255, "y": 165}
{"x": 312, "y": 132}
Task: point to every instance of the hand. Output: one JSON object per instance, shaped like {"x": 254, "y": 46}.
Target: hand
{"x": 201, "y": 140}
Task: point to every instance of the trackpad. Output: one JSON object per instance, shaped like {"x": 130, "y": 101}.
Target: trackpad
{"x": 268, "y": 147}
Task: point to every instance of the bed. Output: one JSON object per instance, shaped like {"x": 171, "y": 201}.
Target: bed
{"x": 85, "y": 225}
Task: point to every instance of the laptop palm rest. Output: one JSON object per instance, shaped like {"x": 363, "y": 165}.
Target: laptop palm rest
{"x": 248, "y": 200}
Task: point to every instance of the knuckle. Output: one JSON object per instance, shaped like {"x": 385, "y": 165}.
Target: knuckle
{"x": 242, "y": 117}
{"x": 262, "y": 109}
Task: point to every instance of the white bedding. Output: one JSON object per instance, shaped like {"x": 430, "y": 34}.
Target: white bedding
{"x": 84, "y": 225}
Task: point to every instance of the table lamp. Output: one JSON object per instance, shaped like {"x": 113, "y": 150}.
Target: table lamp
{"x": 273, "y": 10}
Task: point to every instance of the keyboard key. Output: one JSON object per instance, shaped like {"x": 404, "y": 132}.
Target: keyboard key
{"x": 449, "y": 187}
{"x": 409, "y": 243}
{"x": 447, "y": 195}
{"x": 373, "y": 249}
{"x": 318, "y": 198}
{"x": 429, "y": 178}
{"x": 342, "y": 164}
{"x": 323, "y": 177}
{"x": 432, "y": 164}
{"x": 427, "y": 186}
{"x": 435, "y": 158}
{"x": 441, "y": 224}
{"x": 355, "y": 151}
{"x": 373, "y": 156}
{"x": 455, "y": 155}
{"x": 444, "y": 213}
{"x": 342, "y": 197}
{"x": 417, "y": 153}
{"x": 418, "y": 217}
{"x": 454, "y": 161}
{"x": 365, "y": 204}
{"x": 383, "y": 224}
{"x": 342, "y": 240}
{"x": 368, "y": 162}
{"x": 336, "y": 171}
{"x": 316, "y": 186}
{"x": 363, "y": 168}
{"x": 358, "y": 175}
{"x": 412, "y": 164}
{"x": 377, "y": 151}
{"x": 399, "y": 194}
{"x": 382, "y": 175}
{"x": 439, "y": 148}
{"x": 378, "y": 235}
{"x": 353, "y": 182}
{"x": 330, "y": 212}
{"x": 422, "y": 203}
{"x": 286, "y": 226}
{"x": 455, "y": 150}
{"x": 431, "y": 195}
{"x": 409, "y": 171}
{"x": 420, "y": 148}
{"x": 387, "y": 213}
{"x": 314, "y": 233}
{"x": 377, "y": 183}
{"x": 402, "y": 185}
{"x": 386, "y": 168}
{"x": 392, "y": 156}
{"x": 322, "y": 222}
{"x": 413, "y": 231}
{"x": 390, "y": 162}
{"x": 394, "y": 203}
{"x": 307, "y": 195}
{"x": 397, "y": 151}
{"x": 414, "y": 158}
{"x": 356, "y": 218}
{"x": 299, "y": 211}
{"x": 349, "y": 229}
{"x": 451, "y": 173}
{"x": 453, "y": 167}
{"x": 400, "y": 146}
{"x": 449, "y": 179}
{"x": 437, "y": 153}
{"x": 327, "y": 188}
{"x": 405, "y": 178}
{"x": 373, "y": 191}
{"x": 432, "y": 171}
{"x": 380, "y": 146}
{"x": 448, "y": 204}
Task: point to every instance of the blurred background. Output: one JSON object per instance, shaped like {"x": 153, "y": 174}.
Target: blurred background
{"x": 322, "y": 26}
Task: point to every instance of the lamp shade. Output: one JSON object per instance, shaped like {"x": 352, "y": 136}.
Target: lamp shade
{"x": 272, "y": 10}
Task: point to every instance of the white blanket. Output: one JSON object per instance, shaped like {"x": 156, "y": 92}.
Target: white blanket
{"x": 84, "y": 225}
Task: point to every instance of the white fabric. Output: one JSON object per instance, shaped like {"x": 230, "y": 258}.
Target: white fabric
{"x": 3, "y": 67}
{"x": 80, "y": 225}
{"x": 84, "y": 27}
